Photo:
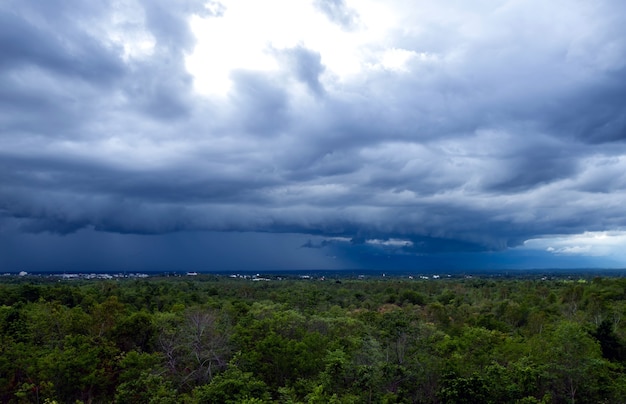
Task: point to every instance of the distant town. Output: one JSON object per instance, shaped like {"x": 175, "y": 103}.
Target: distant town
{"x": 323, "y": 275}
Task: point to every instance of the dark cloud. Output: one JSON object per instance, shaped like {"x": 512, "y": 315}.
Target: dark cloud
{"x": 601, "y": 116}
{"x": 24, "y": 42}
{"x": 161, "y": 85}
{"x": 306, "y": 66}
{"x": 260, "y": 103}
{"x": 502, "y": 125}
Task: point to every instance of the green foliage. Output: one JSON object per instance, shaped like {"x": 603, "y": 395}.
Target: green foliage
{"x": 213, "y": 339}
{"x": 610, "y": 344}
{"x": 135, "y": 332}
{"x": 573, "y": 361}
{"x": 141, "y": 379}
{"x": 232, "y": 386}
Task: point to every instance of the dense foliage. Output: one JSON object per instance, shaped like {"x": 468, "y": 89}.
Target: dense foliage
{"x": 214, "y": 339}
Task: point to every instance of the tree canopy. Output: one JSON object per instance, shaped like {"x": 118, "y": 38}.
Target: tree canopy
{"x": 216, "y": 339}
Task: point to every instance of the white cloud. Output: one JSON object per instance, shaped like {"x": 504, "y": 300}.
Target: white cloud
{"x": 396, "y": 59}
{"x": 392, "y": 242}
{"x": 128, "y": 30}
{"x": 249, "y": 31}
{"x": 594, "y": 244}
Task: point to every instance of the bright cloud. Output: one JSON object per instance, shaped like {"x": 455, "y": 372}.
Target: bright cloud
{"x": 603, "y": 243}
{"x": 393, "y": 242}
{"x": 249, "y": 33}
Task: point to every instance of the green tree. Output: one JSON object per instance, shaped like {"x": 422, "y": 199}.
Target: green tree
{"x": 142, "y": 381}
{"x": 232, "y": 386}
{"x": 574, "y": 368}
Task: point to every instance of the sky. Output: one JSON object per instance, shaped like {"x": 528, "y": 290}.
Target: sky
{"x": 324, "y": 134}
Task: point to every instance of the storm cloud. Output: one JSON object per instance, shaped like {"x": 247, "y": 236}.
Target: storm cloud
{"x": 467, "y": 127}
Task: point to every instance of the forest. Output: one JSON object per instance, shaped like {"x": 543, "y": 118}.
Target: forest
{"x": 215, "y": 339}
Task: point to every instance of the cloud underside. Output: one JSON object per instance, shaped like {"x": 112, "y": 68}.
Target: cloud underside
{"x": 501, "y": 126}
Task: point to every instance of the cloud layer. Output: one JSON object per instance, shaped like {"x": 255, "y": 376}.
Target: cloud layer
{"x": 466, "y": 127}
